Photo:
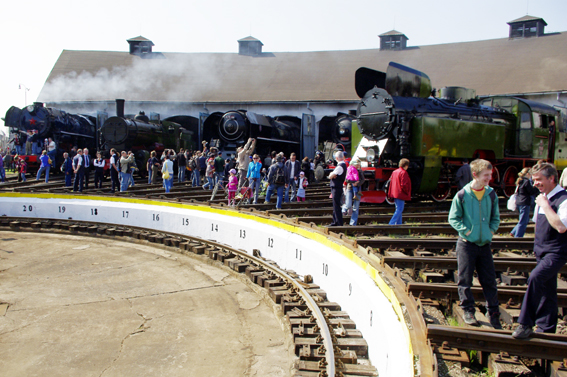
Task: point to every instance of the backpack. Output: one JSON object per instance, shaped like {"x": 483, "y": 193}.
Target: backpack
{"x": 193, "y": 164}
{"x": 280, "y": 176}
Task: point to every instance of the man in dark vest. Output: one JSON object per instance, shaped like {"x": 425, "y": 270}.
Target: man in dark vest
{"x": 550, "y": 248}
{"x": 337, "y": 178}
{"x": 87, "y": 164}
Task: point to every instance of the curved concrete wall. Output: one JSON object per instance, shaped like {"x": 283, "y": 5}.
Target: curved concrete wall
{"x": 347, "y": 279}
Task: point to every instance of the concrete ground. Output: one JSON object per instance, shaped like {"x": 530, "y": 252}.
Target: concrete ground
{"x": 82, "y": 306}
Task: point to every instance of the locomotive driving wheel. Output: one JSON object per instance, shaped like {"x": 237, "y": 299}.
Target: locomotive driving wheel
{"x": 442, "y": 192}
{"x": 386, "y": 189}
{"x": 508, "y": 184}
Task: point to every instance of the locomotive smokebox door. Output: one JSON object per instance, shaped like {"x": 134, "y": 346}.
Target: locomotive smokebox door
{"x": 375, "y": 114}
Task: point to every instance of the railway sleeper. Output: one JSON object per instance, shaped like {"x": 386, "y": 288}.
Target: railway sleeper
{"x": 357, "y": 345}
{"x": 448, "y": 353}
{"x": 310, "y": 368}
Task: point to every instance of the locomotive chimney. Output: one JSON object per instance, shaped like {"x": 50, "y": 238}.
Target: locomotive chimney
{"x": 120, "y": 108}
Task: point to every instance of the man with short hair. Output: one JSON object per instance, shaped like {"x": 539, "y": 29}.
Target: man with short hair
{"x": 244, "y": 154}
{"x": 125, "y": 161}
{"x": 219, "y": 169}
{"x": 114, "y": 167}
{"x": 539, "y": 306}
{"x": 181, "y": 165}
{"x": 475, "y": 215}
{"x": 293, "y": 167}
{"x": 67, "y": 169}
{"x": 337, "y": 178}
{"x": 51, "y": 151}
{"x": 79, "y": 170}
{"x": 87, "y": 164}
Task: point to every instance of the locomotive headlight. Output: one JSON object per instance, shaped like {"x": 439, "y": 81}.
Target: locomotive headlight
{"x": 370, "y": 154}
{"x": 30, "y": 108}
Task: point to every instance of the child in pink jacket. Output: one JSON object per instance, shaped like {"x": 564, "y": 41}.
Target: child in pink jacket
{"x": 352, "y": 177}
{"x": 232, "y": 186}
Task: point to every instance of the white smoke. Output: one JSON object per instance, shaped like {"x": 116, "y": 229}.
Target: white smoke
{"x": 170, "y": 78}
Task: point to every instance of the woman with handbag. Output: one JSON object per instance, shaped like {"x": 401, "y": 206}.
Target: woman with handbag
{"x": 524, "y": 194}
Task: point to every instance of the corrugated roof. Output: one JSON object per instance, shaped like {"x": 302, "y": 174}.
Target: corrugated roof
{"x": 526, "y": 18}
{"x": 499, "y": 66}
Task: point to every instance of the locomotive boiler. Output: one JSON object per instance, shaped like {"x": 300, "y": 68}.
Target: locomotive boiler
{"x": 227, "y": 131}
{"x": 36, "y": 123}
{"x": 141, "y": 136}
{"x": 400, "y": 117}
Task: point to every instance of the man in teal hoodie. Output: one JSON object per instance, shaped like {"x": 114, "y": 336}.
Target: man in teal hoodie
{"x": 475, "y": 215}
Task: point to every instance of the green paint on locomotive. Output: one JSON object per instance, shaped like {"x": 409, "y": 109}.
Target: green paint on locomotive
{"x": 436, "y": 138}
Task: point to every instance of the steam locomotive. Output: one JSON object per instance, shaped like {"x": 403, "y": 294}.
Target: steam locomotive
{"x": 227, "y": 131}
{"x": 141, "y": 136}
{"x": 400, "y": 117}
{"x": 36, "y": 123}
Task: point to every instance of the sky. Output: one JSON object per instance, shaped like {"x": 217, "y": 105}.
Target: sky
{"x": 34, "y": 33}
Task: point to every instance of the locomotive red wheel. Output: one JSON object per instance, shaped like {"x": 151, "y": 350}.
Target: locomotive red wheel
{"x": 442, "y": 192}
{"x": 509, "y": 181}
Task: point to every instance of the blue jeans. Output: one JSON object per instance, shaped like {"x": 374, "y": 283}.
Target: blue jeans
{"x": 279, "y": 189}
{"x": 291, "y": 187}
{"x": 520, "y": 228}
{"x": 355, "y": 206}
{"x": 256, "y": 187}
{"x": 196, "y": 178}
{"x": 167, "y": 183}
{"x": 219, "y": 178}
{"x": 2, "y": 173}
{"x": 397, "y": 217}
{"x": 131, "y": 182}
{"x": 181, "y": 174}
{"x": 124, "y": 180}
{"x": 41, "y": 170}
{"x": 210, "y": 183}
{"x": 471, "y": 257}
{"x": 149, "y": 176}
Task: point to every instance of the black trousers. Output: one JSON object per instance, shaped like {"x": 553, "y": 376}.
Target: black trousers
{"x": 86, "y": 176}
{"x": 114, "y": 179}
{"x": 98, "y": 178}
{"x": 337, "y": 193}
{"x": 540, "y": 301}
{"x": 78, "y": 184}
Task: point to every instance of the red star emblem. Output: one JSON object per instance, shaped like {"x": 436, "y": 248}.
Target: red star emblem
{"x": 33, "y": 121}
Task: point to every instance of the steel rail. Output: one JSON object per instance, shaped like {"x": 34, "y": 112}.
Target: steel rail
{"x": 450, "y": 291}
{"x": 538, "y": 346}
{"x": 520, "y": 264}
{"x": 498, "y": 243}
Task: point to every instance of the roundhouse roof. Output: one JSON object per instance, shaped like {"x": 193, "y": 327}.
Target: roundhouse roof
{"x": 497, "y": 66}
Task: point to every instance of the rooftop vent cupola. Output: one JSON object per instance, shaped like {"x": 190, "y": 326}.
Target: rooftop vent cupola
{"x": 393, "y": 40}
{"x": 140, "y": 46}
{"x": 249, "y": 46}
{"x": 526, "y": 27}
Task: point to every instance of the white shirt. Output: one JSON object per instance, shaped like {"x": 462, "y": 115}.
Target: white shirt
{"x": 99, "y": 164}
{"x": 339, "y": 169}
{"x": 51, "y": 146}
{"x": 561, "y": 211}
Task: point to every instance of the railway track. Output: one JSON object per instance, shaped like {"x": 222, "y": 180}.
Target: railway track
{"x": 426, "y": 220}
{"x": 326, "y": 339}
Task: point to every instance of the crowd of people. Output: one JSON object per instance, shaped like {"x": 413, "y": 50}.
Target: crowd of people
{"x": 474, "y": 212}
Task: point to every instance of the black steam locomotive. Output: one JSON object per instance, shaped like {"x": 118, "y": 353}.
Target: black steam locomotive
{"x": 227, "y": 131}
{"x": 36, "y": 123}
{"x": 141, "y": 136}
